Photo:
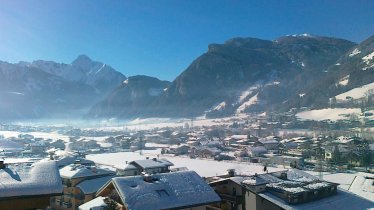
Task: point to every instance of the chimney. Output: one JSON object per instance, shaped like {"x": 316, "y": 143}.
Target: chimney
{"x": 283, "y": 175}
{"x": 2, "y": 165}
{"x": 231, "y": 172}
{"x": 148, "y": 178}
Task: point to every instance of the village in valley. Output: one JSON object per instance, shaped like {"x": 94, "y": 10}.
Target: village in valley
{"x": 263, "y": 161}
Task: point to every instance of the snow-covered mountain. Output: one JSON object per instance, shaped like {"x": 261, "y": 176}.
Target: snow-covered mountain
{"x": 49, "y": 89}
{"x": 131, "y": 99}
{"x": 349, "y": 78}
{"x": 248, "y": 75}
{"x": 98, "y": 75}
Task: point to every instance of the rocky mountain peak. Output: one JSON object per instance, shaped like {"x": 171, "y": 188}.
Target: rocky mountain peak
{"x": 82, "y": 61}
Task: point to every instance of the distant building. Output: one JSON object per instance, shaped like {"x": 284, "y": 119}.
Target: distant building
{"x": 148, "y": 166}
{"x": 177, "y": 190}
{"x": 28, "y": 186}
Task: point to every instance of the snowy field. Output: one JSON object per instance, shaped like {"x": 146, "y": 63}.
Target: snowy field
{"x": 45, "y": 135}
{"x": 208, "y": 168}
{"x": 153, "y": 123}
{"x": 356, "y": 93}
{"x": 204, "y": 167}
{"x": 327, "y": 114}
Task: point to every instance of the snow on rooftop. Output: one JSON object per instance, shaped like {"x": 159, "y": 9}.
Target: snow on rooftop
{"x": 95, "y": 204}
{"x": 78, "y": 170}
{"x": 363, "y": 185}
{"x": 356, "y": 93}
{"x": 41, "y": 178}
{"x": 343, "y": 200}
{"x": 300, "y": 176}
{"x": 318, "y": 185}
{"x": 328, "y": 114}
{"x": 165, "y": 191}
{"x": 93, "y": 185}
{"x": 153, "y": 163}
{"x": 343, "y": 179}
{"x": 70, "y": 159}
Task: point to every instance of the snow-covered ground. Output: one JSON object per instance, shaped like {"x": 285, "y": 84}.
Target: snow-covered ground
{"x": 204, "y": 167}
{"x": 356, "y": 93}
{"x": 328, "y": 114}
{"x": 344, "y": 81}
{"x": 208, "y": 168}
{"x": 45, "y": 135}
{"x": 354, "y": 52}
{"x": 152, "y": 123}
{"x": 368, "y": 58}
{"x": 253, "y": 100}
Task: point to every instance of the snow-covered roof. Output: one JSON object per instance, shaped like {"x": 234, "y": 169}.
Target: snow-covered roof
{"x": 41, "y": 178}
{"x": 363, "y": 185}
{"x": 257, "y": 149}
{"x": 343, "y": 200}
{"x": 165, "y": 191}
{"x": 128, "y": 167}
{"x": 95, "y": 204}
{"x": 238, "y": 137}
{"x": 251, "y": 180}
{"x": 78, "y": 170}
{"x": 268, "y": 141}
{"x": 67, "y": 160}
{"x": 152, "y": 163}
{"x": 300, "y": 176}
{"x": 91, "y": 186}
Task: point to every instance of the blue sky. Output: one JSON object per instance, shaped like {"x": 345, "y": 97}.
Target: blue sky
{"x": 161, "y": 37}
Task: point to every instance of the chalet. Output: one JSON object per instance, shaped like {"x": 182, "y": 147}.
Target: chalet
{"x": 80, "y": 183}
{"x": 268, "y": 143}
{"x": 206, "y": 152}
{"x": 256, "y": 151}
{"x": 179, "y": 149}
{"x": 176, "y": 190}
{"x": 149, "y": 166}
{"x": 28, "y": 186}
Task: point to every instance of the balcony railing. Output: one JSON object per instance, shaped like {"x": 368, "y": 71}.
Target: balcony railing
{"x": 237, "y": 199}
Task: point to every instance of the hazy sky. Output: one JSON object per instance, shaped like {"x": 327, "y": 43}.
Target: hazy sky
{"x": 161, "y": 37}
